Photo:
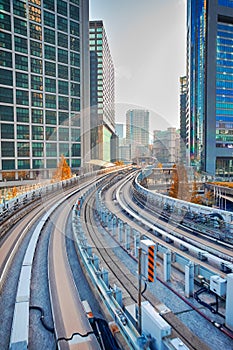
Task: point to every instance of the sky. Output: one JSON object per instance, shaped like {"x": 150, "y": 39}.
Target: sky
{"x": 147, "y": 40}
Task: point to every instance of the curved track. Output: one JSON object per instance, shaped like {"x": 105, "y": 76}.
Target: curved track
{"x": 104, "y": 247}
{"x": 71, "y": 324}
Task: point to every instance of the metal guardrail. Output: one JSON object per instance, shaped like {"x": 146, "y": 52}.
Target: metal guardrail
{"x": 111, "y": 297}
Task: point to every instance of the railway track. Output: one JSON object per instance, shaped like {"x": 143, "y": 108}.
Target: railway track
{"x": 31, "y": 225}
{"x": 104, "y": 247}
{"x": 108, "y": 194}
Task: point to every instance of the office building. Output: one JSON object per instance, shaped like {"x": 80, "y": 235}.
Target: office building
{"x": 137, "y": 131}
{"x": 102, "y": 95}
{"x": 166, "y": 146}
{"x": 44, "y": 86}
{"x": 183, "y": 96}
{"x": 210, "y": 85}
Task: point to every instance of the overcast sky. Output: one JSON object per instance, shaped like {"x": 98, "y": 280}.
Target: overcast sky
{"x": 147, "y": 40}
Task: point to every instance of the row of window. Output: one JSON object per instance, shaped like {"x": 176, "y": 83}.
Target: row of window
{"x": 50, "y": 37}
{"x": 20, "y": 8}
{"x": 21, "y": 131}
{"x": 221, "y": 69}
{"x": 37, "y": 116}
{"x": 224, "y": 84}
{"x": 221, "y": 118}
{"x": 21, "y": 61}
{"x": 224, "y": 34}
{"x": 51, "y": 101}
{"x": 38, "y": 149}
{"x": 9, "y": 164}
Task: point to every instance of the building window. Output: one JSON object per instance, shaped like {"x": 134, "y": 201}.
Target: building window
{"x": 8, "y": 164}
{"x": 49, "y": 36}
{"x": 62, "y": 56}
{"x": 74, "y": 12}
{"x": 37, "y": 99}
{"x": 75, "y": 59}
{"x": 6, "y": 95}
{"x": 8, "y": 149}
{"x": 74, "y": 28}
{"x": 35, "y": 31}
{"x": 76, "y": 150}
{"x": 37, "y": 149}
{"x": 75, "y": 135}
{"x": 62, "y": 40}
{"x": 6, "y": 113}
{"x": 37, "y": 132}
{"x": 63, "y": 87}
{"x": 23, "y": 164}
{"x": 63, "y": 118}
{"x": 51, "y": 117}
{"x": 20, "y": 8}
{"x": 36, "y": 48}
{"x": 37, "y": 163}
{"x": 51, "y": 149}
{"x": 50, "y": 69}
{"x": 36, "y": 66}
{"x": 36, "y": 82}
{"x": 23, "y": 149}
{"x": 62, "y": 71}
{"x": 50, "y": 101}
{"x": 21, "y": 62}
{"x": 76, "y": 163}
{"x": 5, "y": 58}
{"x": 50, "y": 52}
{"x": 75, "y": 89}
{"x": 21, "y": 44}
{"x": 49, "y": 4}
{"x": 22, "y": 97}
{"x": 51, "y": 163}
{"x": 6, "y": 77}
{"x": 63, "y": 102}
{"x": 62, "y": 24}
{"x": 74, "y": 43}
{"x": 75, "y": 104}
{"x": 22, "y": 115}
{"x": 22, "y": 131}
{"x": 22, "y": 80}
{"x": 37, "y": 116}
{"x": 49, "y": 19}
{"x": 63, "y": 134}
{"x": 5, "y": 41}
{"x": 75, "y": 74}
{"x": 64, "y": 149}
{"x": 50, "y": 85}
{"x": 62, "y": 7}
{"x": 20, "y": 26}
{"x": 51, "y": 133}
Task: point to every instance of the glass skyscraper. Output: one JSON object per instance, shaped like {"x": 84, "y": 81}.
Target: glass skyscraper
{"x": 137, "y": 131}
{"x": 44, "y": 74}
{"x": 210, "y": 85}
{"x": 102, "y": 95}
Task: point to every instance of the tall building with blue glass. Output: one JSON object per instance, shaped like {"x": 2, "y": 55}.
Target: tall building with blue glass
{"x": 44, "y": 85}
{"x": 210, "y": 85}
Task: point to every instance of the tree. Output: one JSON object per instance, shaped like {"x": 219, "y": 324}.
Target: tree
{"x": 173, "y": 192}
{"x": 63, "y": 171}
{"x": 179, "y": 186}
{"x": 209, "y": 197}
{"x": 14, "y": 192}
{"x": 195, "y": 197}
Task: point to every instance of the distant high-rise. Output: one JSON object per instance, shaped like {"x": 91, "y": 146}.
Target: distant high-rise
{"x": 44, "y": 85}
{"x": 102, "y": 97}
{"x": 137, "y": 131}
{"x": 210, "y": 85}
{"x": 166, "y": 148}
{"x": 183, "y": 96}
